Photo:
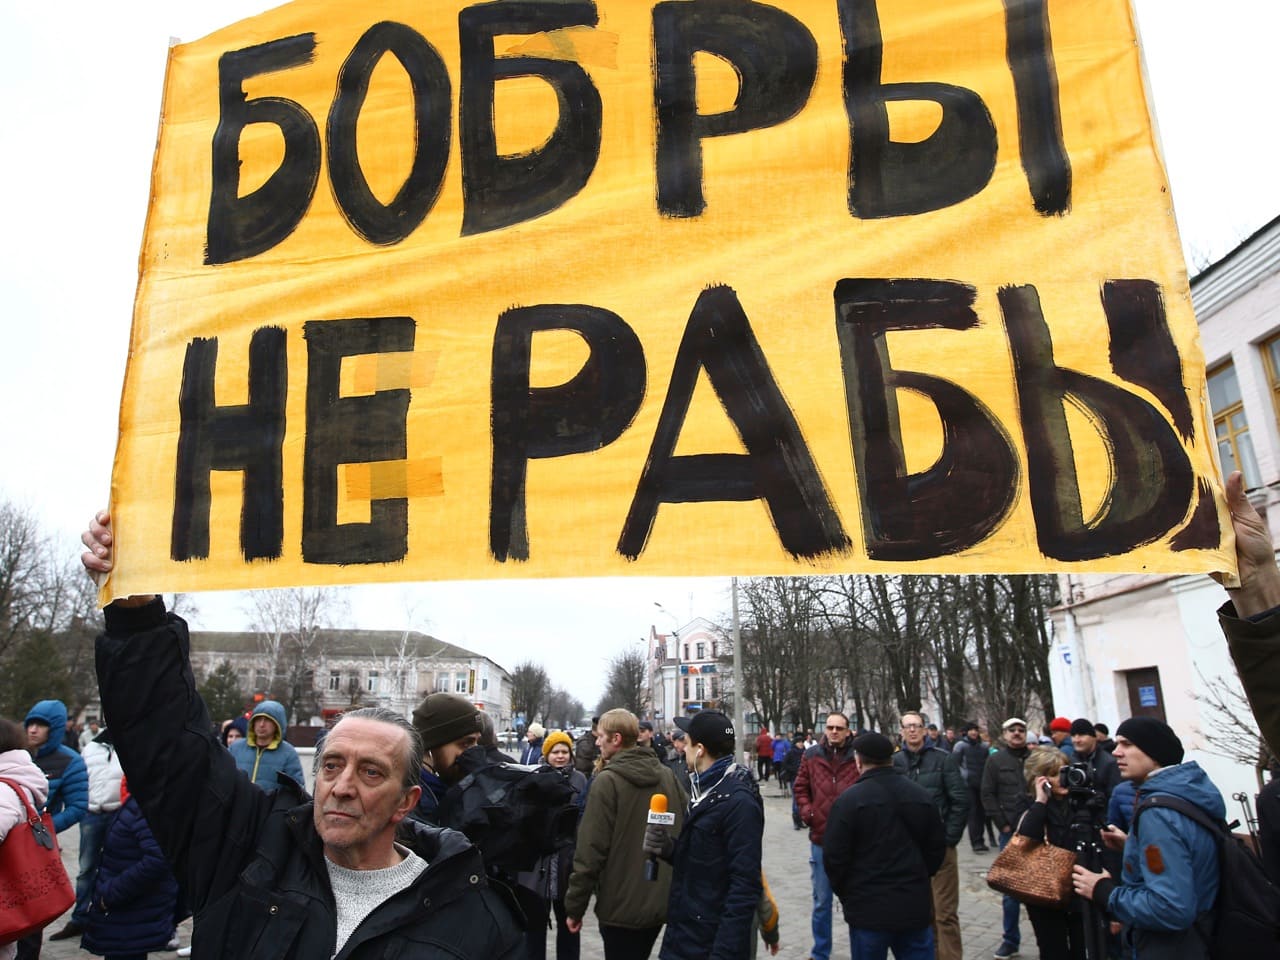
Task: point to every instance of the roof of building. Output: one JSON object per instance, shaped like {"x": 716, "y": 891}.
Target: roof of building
{"x": 1252, "y": 261}
{"x": 341, "y": 643}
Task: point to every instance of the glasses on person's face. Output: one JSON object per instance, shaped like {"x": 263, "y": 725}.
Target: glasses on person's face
{"x": 835, "y": 728}
{"x": 913, "y": 726}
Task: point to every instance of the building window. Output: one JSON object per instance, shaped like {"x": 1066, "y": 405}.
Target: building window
{"x": 371, "y": 681}
{"x": 460, "y": 682}
{"x": 687, "y": 689}
{"x": 442, "y": 682}
{"x": 702, "y": 651}
{"x": 335, "y": 680}
{"x": 484, "y": 683}
{"x": 699, "y": 689}
{"x": 1230, "y": 427}
{"x": 1271, "y": 358}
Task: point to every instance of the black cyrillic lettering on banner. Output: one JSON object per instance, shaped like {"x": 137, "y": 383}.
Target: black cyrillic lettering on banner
{"x": 241, "y": 227}
{"x": 971, "y": 487}
{"x": 1202, "y": 531}
{"x": 1152, "y": 482}
{"x": 1142, "y": 347}
{"x": 1029, "y": 49}
{"x": 248, "y": 438}
{"x": 888, "y": 178}
{"x": 529, "y": 423}
{"x": 775, "y": 57}
{"x": 777, "y": 466}
{"x": 432, "y": 98}
{"x": 499, "y": 191}
{"x": 364, "y": 429}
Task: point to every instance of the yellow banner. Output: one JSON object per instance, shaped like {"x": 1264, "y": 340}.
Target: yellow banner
{"x": 534, "y": 289}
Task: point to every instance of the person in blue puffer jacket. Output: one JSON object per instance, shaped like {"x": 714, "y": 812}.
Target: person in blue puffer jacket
{"x": 1169, "y": 882}
{"x": 264, "y": 752}
{"x": 68, "y": 801}
{"x": 135, "y": 895}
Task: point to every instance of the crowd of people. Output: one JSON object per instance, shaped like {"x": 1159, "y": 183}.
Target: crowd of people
{"x": 420, "y": 837}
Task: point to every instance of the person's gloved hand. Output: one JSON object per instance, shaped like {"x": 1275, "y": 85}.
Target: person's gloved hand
{"x": 658, "y": 841}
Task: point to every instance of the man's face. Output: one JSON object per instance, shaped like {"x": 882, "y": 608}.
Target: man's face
{"x": 912, "y": 731}
{"x": 678, "y": 744}
{"x": 1133, "y": 763}
{"x": 264, "y": 730}
{"x": 1057, "y": 736}
{"x": 837, "y": 730}
{"x": 973, "y": 734}
{"x": 360, "y": 795}
{"x": 1084, "y": 743}
{"x": 609, "y": 743}
{"x": 444, "y": 757}
{"x": 645, "y": 738}
{"x": 37, "y": 735}
{"x": 1015, "y": 736}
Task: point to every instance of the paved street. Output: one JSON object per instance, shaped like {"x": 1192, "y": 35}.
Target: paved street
{"x": 786, "y": 863}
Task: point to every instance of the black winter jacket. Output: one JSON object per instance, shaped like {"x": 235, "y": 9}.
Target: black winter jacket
{"x": 250, "y": 861}
{"x": 937, "y": 771}
{"x": 883, "y": 842}
{"x": 1004, "y": 788}
{"x": 716, "y": 879}
{"x": 972, "y": 757}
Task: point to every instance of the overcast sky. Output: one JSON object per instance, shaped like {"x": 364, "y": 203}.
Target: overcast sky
{"x": 81, "y": 84}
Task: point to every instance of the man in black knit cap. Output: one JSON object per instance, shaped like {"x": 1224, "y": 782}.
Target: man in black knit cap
{"x": 1170, "y": 877}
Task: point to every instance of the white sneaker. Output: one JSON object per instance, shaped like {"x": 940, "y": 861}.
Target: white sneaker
{"x": 185, "y": 952}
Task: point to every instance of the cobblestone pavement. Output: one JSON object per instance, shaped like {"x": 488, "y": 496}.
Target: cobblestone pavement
{"x": 786, "y": 864}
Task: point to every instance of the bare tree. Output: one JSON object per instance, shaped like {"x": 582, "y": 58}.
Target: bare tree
{"x": 563, "y": 709}
{"x": 530, "y": 691}
{"x": 625, "y": 686}
{"x": 290, "y": 624}
{"x": 24, "y": 559}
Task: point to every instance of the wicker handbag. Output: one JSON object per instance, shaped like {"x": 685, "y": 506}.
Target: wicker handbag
{"x": 1033, "y": 871}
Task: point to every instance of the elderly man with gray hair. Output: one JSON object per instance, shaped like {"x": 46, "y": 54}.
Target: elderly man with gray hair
{"x": 272, "y": 873}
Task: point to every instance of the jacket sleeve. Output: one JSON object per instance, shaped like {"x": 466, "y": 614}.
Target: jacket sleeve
{"x": 74, "y": 793}
{"x": 1032, "y": 823}
{"x": 143, "y": 875}
{"x": 957, "y": 800}
{"x": 293, "y": 768}
{"x": 595, "y": 838}
{"x": 933, "y": 844}
{"x": 1255, "y": 648}
{"x": 204, "y": 814}
{"x": 743, "y": 832}
{"x": 991, "y": 795}
{"x": 837, "y": 843}
{"x": 802, "y": 791}
{"x": 1166, "y": 898}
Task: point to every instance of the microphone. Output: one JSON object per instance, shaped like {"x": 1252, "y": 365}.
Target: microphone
{"x": 657, "y": 815}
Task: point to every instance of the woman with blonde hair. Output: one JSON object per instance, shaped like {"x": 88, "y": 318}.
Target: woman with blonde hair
{"x": 1059, "y": 933}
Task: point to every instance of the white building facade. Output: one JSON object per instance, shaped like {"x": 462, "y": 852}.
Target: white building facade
{"x": 1129, "y": 645}
{"x": 688, "y": 670}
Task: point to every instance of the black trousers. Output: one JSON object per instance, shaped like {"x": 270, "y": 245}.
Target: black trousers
{"x": 628, "y": 943}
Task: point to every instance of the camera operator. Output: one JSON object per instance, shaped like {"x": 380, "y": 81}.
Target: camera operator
{"x": 1059, "y": 933}
{"x": 1103, "y": 769}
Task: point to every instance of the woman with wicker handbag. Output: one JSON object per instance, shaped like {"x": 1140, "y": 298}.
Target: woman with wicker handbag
{"x": 1059, "y": 932}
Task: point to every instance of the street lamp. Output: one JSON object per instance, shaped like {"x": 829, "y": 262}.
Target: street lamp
{"x": 675, "y": 634}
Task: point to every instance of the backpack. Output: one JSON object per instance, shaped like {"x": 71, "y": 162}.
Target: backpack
{"x": 1246, "y": 914}
{"x": 514, "y": 814}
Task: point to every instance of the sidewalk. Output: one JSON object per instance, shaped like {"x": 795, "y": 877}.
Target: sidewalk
{"x": 786, "y": 864}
